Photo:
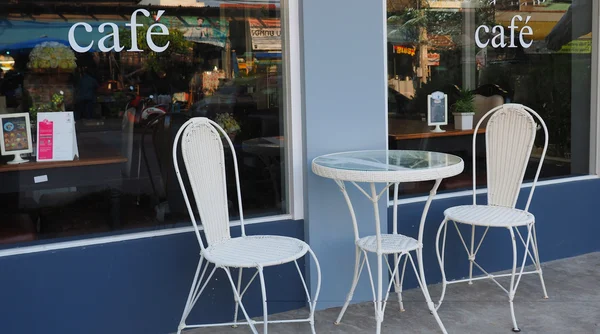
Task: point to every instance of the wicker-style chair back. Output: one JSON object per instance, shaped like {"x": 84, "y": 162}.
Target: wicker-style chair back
{"x": 204, "y": 159}
{"x": 510, "y": 134}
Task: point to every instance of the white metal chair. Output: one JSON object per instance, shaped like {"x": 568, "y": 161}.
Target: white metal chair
{"x": 510, "y": 135}
{"x": 204, "y": 159}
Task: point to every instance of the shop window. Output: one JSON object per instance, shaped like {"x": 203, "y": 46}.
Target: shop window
{"x": 481, "y": 54}
{"x": 130, "y": 76}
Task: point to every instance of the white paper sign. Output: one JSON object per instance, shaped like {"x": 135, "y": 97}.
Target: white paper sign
{"x": 56, "y": 138}
{"x": 40, "y": 179}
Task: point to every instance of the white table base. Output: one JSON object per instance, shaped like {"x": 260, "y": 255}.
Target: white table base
{"x": 400, "y": 252}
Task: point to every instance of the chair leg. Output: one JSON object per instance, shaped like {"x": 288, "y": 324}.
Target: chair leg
{"x": 538, "y": 265}
{"x": 472, "y": 255}
{"x": 313, "y": 305}
{"x": 189, "y": 299}
{"x": 239, "y": 288}
{"x": 511, "y": 291}
{"x": 239, "y": 300}
{"x": 357, "y": 271}
{"x": 444, "y": 226}
{"x": 264, "y": 298}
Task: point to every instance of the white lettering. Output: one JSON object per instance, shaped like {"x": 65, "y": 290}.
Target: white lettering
{"x": 157, "y": 29}
{"x": 523, "y": 33}
{"x": 164, "y": 31}
{"x": 498, "y": 40}
{"x": 477, "y": 40}
{"x": 72, "y": 40}
{"x": 512, "y": 28}
{"x": 133, "y": 26}
{"x": 499, "y": 37}
{"x": 114, "y": 35}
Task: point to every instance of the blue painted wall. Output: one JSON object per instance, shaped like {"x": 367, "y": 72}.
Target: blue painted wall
{"x": 344, "y": 109}
{"x": 130, "y": 287}
{"x": 566, "y": 223}
{"x": 140, "y": 286}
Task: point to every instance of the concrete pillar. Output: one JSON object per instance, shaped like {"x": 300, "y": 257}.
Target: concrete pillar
{"x": 345, "y": 108}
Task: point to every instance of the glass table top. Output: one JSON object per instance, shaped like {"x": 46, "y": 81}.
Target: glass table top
{"x": 392, "y": 160}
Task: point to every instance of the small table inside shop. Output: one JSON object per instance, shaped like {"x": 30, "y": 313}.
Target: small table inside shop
{"x": 389, "y": 168}
{"x": 264, "y": 146}
{"x": 406, "y": 133}
{"x": 269, "y": 151}
{"x": 97, "y": 165}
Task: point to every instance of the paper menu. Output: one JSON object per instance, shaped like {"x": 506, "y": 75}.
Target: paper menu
{"x": 45, "y": 139}
{"x": 57, "y": 140}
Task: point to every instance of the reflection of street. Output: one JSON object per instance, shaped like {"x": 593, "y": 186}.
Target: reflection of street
{"x": 204, "y": 32}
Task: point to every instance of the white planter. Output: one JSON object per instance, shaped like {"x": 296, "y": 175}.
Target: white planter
{"x": 463, "y": 120}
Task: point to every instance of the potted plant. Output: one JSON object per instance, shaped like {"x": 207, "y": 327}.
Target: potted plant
{"x": 464, "y": 110}
{"x": 52, "y": 57}
{"x": 229, "y": 124}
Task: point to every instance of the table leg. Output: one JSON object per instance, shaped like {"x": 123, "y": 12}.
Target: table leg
{"x": 397, "y": 281}
{"x": 357, "y": 271}
{"x": 379, "y": 301}
{"x": 379, "y": 310}
{"x": 115, "y": 208}
{"x": 420, "y": 257}
{"x": 358, "y": 264}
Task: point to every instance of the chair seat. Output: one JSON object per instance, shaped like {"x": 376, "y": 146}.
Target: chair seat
{"x": 254, "y": 251}
{"x": 390, "y": 243}
{"x": 488, "y": 215}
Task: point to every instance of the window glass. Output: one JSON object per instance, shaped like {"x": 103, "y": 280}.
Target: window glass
{"x": 106, "y": 86}
{"x": 481, "y": 54}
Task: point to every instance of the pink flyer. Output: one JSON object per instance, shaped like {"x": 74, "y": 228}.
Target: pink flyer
{"x": 45, "y": 139}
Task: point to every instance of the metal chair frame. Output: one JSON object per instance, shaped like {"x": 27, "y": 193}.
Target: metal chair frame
{"x": 504, "y": 184}
{"x": 202, "y": 146}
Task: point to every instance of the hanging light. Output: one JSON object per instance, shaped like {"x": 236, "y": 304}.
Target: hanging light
{"x": 6, "y": 62}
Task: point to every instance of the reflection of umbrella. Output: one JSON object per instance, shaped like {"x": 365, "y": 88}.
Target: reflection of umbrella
{"x": 576, "y": 22}
{"x": 30, "y": 44}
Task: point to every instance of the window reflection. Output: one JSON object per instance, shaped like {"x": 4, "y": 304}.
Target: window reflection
{"x": 488, "y": 53}
{"x": 223, "y": 61}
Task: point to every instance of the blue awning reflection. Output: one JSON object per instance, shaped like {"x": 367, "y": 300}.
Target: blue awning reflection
{"x": 30, "y": 44}
{"x": 24, "y": 34}
{"x": 268, "y": 55}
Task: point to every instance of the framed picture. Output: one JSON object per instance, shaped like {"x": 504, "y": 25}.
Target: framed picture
{"x": 16, "y": 136}
{"x": 437, "y": 110}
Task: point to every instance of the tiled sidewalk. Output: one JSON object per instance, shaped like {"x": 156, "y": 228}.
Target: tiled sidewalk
{"x": 573, "y": 308}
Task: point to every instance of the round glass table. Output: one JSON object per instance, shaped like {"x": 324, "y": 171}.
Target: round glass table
{"x": 391, "y": 168}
